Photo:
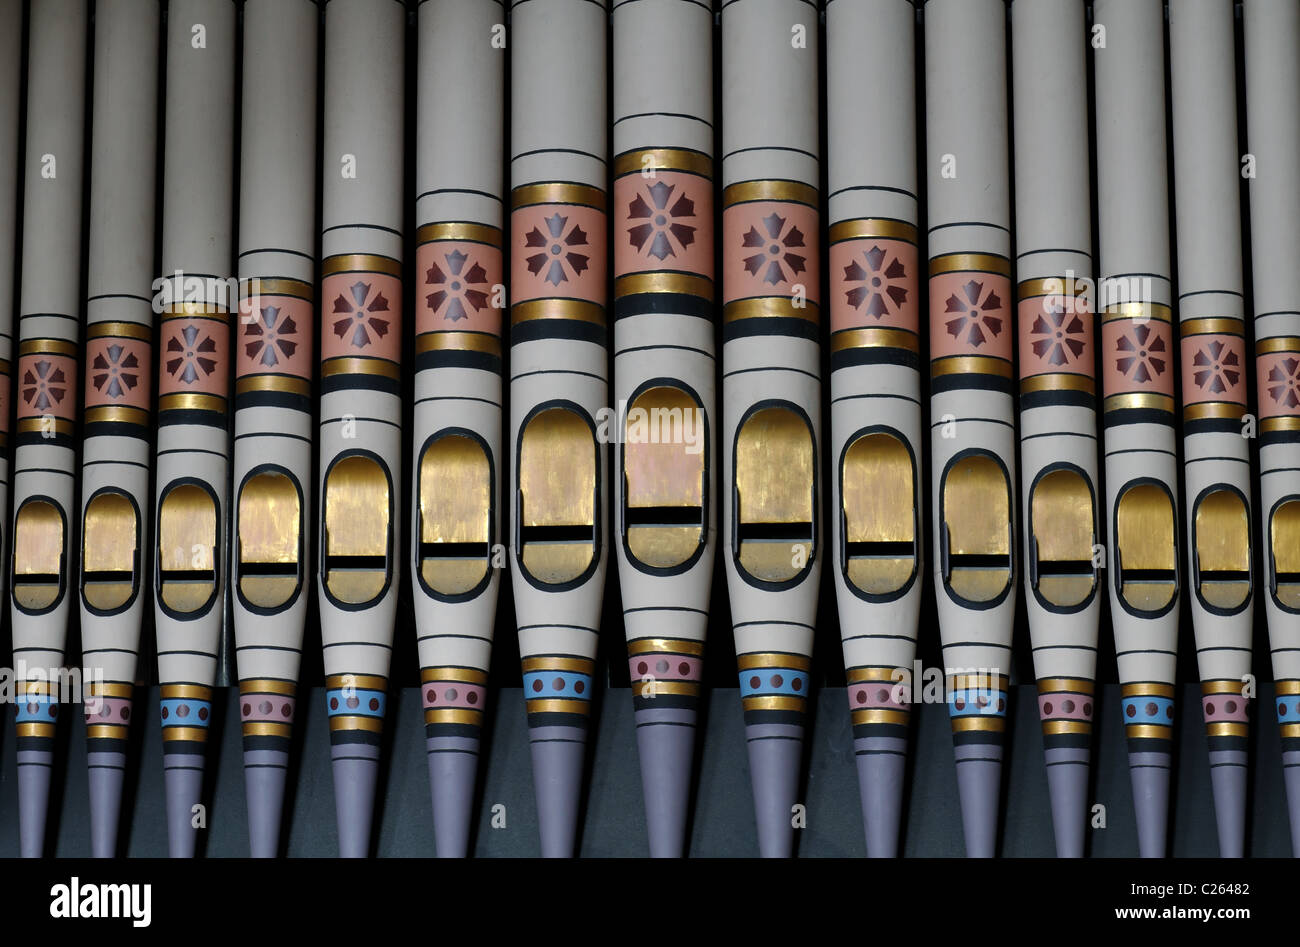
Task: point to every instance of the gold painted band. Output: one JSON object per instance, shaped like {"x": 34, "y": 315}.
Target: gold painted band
{"x": 1286, "y": 689}
{"x": 285, "y": 384}
{"x": 1058, "y": 381}
{"x": 669, "y": 645}
{"x": 119, "y": 330}
{"x": 871, "y": 228}
{"x": 117, "y": 414}
{"x": 1050, "y": 286}
{"x": 35, "y": 730}
{"x": 1279, "y": 343}
{"x": 188, "y": 734}
{"x": 795, "y": 192}
{"x": 970, "y": 365}
{"x": 970, "y": 263}
{"x": 546, "y": 663}
{"x": 1227, "y": 729}
{"x": 460, "y": 230}
{"x": 462, "y": 675}
{"x": 680, "y": 284}
{"x": 1067, "y": 685}
{"x": 558, "y": 192}
{"x": 1052, "y": 728}
{"x": 364, "y": 682}
{"x": 458, "y": 342}
{"x": 266, "y": 728}
{"x": 454, "y": 715}
{"x": 356, "y": 722}
{"x": 1275, "y": 425}
{"x": 106, "y": 731}
{"x": 192, "y": 401}
{"x": 576, "y": 309}
{"x": 1141, "y": 400}
{"x": 360, "y": 263}
{"x": 1214, "y": 409}
{"x": 185, "y": 692}
{"x": 1233, "y": 687}
{"x": 872, "y": 715}
{"x": 195, "y": 311}
{"x": 770, "y": 307}
{"x": 1147, "y": 689}
{"x": 657, "y": 688}
{"x": 109, "y": 689}
{"x": 875, "y": 339}
{"x": 1142, "y": 311}
{"x": 268, "y": 686}
{"x": 888, "y": 674}
{"x": 279, "y": 286}
{"x": 35, "y": 687}
{"x": 47, "y": 347}
{"x": 797, "y": 704}
{"x": 1290, "y": 730}
{"x": 1149, "y": 731}
{"x": 978, "y": 722}
{"x": 795, "y": 662}
{"x": 663, "y": 159}
{"x": 349, "y": 365}
{"x": 1218, "y": 325}
{"x": 977, "y": 682}
{"x": 42, "y": 426}
{"x": 554, "y": 705}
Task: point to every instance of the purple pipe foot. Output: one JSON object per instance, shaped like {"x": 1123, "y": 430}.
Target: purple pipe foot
{"x": 665, "y": 742}
{"x": 1291, "y": 776}
{"x": 1149, "y": 772}
{"x": 882, "y": 764}
{"x": 1228, "y": 779}
{"x": 183, "y": 788}
{"x": 1067, "y": 787}
{"x": 979, "y": 784}
{"x": 264, "y": 778}
{"x": 107, "y": 769}
{"x": 557, "y": 754}
{"x": 775, "y": 757}
{"x": 33, "y": 800}
{"x": 453, "y": 772}
{"x": 356, "y": 772}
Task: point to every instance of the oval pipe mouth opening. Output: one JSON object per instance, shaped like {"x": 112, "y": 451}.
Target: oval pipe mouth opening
{"x": 1146, "y": 550}
{"x": 975, "y": 534}
{"x": 187, "y": 540}
{"x": 664, "y": 470}
{"x": 38, "y": 557}
{"x": 358, "y": 530}
{"x": 110, "y": 551}
{"x": 455, "y": 490}
{"x": 1284, "y": 547}
{"x": 775, "y": 482}
{"x": 558, "y": 484}
{"x": 878, "y": 514}
{"x": 1221, "y": 539}
{"x": 269, "y": 573}
{"x": 1062, "y": 515}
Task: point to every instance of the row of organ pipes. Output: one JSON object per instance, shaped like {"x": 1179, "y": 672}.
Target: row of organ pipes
{"x": 526, "y": 223}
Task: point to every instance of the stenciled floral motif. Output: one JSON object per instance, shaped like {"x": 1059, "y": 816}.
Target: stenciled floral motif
{"x": 881, "y": 283}
{"x": 269, "y": 337}
{"x": 114, "y": 371}
{"x": 1144, "y": 357}
{"x": 1284, "y": 382}
{"x": 1216, "y": 368}
{"x": 457, "y": 286}
{"x": 1057, "y": 336}
{"x": 556, "y": 255}
{"x": 44, "y": 386}
{"x": 775, "y": 243}
{"x": 193, "y": 353}
{"x": 357, "y": 309}
{"x": 974, "y": 322}
{"x": 664, "y": 223}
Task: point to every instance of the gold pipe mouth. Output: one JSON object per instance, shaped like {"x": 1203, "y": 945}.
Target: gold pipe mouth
{"x": 358, "y": 528}
{"x": 40, "y": 541}
{"x": 775, "y": 484}
{"x": 878, "y": 513}
{"x": 1062, "y": 567}
{"x": 269, "y": 540}
{"x": 187, "y": 548}
{"x": 110, "y": 551}
{"x": 455, "y": 513}
{"x": 1284, "y": 551}
{"x": 1146, "y": 548}
{"x": 975, "y": 535}
{"x": 558, "y": 471}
